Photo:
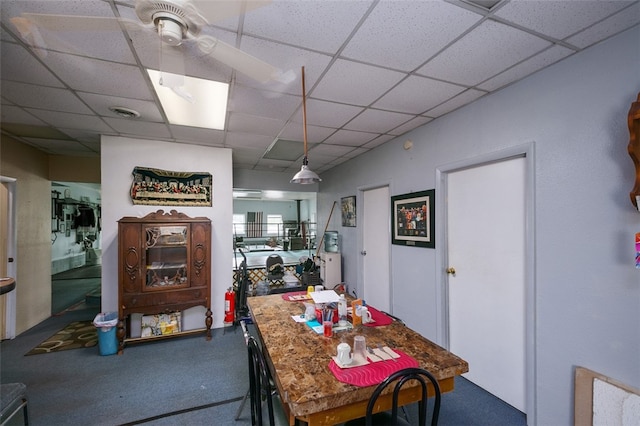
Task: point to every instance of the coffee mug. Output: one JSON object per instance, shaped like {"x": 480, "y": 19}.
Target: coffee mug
{"x": 344, "y": 354}
{"x": 366, "y": 315}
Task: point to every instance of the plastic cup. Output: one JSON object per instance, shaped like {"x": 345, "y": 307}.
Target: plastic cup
{"x": 327, "y": 328}
{"x": 360, "y": 348}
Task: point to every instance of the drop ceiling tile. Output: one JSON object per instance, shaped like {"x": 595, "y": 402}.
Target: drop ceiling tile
{"x": 558, "y": 19}
{"x": 294, "y": 131}
{"x": 492, "y": 47}
{"x": 318, "y": 25}
{"x": 208, "y": 137}
{"x": 273, "y": 165}
{"x": 84, "y": 136}
{"x": 248, "y": 140}
{"x": 416, "y": 95}
{"x": 408, "y": 26}
{"x": 410, "y": 125}
{"x": 377, "y": 121}
{"x": 456, "y": 102}
{"x": 19, "y": 65}
{"x": 72, "y": 121}
{"x": 246, "y": 155}
{"x": 289, "y": 59}
{"x": 332, "y": 150}
{"x": 382, "y": 139}
{"x": 620, "y": 21}
{"x": 53, "y": 145}
{"x": 354, "y": 83}
{"x": 95, "y": 76}
{"x": 43, "y": 97}
{"x": 138, "y": 128}
{"x": 101, "y": 103}
{"x": 14, "y": 114}
{"x": 356, "y": 152}
{"x": 254, "y": 124}
{"x": 248, "y": 100}
{"x": 327, "y": 114}
{"x": 542, "y": 60}
{"x": 350, "y": 138}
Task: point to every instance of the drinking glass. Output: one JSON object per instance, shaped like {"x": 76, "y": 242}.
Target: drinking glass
{"x": 327, "y": 327}
{"x": 359, "y": 348}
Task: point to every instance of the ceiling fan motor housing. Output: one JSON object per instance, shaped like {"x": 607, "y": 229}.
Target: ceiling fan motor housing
{"x": 174, "y": 19}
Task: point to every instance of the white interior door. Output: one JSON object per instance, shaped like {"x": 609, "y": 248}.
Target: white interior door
{"x": 486, "y": 294}
{"x": 375, "y": 248}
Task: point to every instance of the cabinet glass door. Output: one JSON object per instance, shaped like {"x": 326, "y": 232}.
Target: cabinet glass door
{"x": 167, "y": 258}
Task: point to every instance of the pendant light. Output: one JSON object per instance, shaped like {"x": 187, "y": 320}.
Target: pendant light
{"x": 305, "y": 176}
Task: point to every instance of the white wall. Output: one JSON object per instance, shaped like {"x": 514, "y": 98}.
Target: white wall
{"x": 118, "y": 158}
{"x": 587, "y": 304}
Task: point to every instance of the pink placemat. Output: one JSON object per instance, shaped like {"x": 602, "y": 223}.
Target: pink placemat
{"x": 378, "y": 318}
{"x": 295, "y": 296}
{"x": 373, "y": 373}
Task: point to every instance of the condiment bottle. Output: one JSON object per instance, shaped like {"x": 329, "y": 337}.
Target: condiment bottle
{"x": 355, "y": 315}
{"x": 342, "y": 311}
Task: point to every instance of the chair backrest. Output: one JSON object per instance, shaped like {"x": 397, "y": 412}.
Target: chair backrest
{"x": 259, "y": 383}
{"x": 401, "y": 378}
{"x": 275, "y": 259}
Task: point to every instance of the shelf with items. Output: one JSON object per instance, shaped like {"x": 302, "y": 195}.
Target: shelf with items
{"x": 164, "y": 268}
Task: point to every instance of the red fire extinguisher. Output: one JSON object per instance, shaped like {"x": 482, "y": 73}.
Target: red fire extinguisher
{"x": 229, "y": 305}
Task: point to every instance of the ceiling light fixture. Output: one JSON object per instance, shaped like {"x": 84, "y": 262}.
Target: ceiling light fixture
{"x": 124, "y": 112}
{"x": 305, "y": 176}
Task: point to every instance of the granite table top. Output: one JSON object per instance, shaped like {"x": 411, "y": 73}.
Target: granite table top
{"x": 299, "y": 358}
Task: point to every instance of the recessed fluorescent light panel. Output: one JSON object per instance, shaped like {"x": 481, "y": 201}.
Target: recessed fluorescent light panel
{"x": 196, "y": 103}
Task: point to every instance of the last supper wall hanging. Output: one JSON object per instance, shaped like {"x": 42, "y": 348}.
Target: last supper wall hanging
{"x": 168, "y": 188}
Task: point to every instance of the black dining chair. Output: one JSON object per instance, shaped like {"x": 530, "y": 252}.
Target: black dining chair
{"x": 401, "y": 378}
{"x": 259, "y": 384}
{"x": 275, "y": 267}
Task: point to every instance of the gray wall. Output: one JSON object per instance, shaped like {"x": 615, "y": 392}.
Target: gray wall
{"x": 587, "y": 303}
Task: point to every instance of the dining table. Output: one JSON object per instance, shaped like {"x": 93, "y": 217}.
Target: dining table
{"x": 310, "y": 383}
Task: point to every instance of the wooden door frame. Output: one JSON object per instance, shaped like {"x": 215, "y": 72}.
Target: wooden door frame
{"x": 11, "y": 251}
{"x": 442, "y": 296}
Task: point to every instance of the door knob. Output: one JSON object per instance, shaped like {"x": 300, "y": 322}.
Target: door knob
{"x": 451, "y": 270}
{"x": 363, "y": 252}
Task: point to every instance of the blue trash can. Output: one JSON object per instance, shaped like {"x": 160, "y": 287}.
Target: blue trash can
{"x": 105, "y": 323}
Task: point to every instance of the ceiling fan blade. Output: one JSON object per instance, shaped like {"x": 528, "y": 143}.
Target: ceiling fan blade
{"x": 31, "y": 35}
{"x": 237, "y": 59}
{"x": 219, "y": 10}
{"x": 72, "y": 22}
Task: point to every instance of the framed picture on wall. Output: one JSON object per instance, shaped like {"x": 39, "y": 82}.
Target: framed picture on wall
{"x": 413, "y": 219}
{"x": 348, "y": 207}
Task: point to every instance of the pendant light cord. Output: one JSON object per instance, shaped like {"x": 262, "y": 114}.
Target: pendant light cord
{"x": 304, "y": 120}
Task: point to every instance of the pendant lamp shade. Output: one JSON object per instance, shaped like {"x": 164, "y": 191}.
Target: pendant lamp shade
{"x": 305, "y": 176}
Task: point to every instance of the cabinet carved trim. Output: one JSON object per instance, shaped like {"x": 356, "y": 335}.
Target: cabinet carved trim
{"x": 199, "y": 258}
{"x": 132, "y": 260}
{"x": 634, "y": 147}
{"x": 164, "y": 266}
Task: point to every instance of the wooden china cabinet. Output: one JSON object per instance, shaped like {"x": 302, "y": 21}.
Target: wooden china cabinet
{"x": 164, "y": 267}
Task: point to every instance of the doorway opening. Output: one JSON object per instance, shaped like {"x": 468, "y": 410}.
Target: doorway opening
{"x": 76, "y": 246}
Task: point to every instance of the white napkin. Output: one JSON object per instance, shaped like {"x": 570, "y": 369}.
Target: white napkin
{"x": 356, "y": 362}
{"x": 381, "y": 355}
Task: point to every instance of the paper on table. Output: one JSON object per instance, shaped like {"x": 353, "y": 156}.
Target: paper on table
{"x": 356, "y": 362}
{"x": 325, "y": 296}
{"x": 299, "y": 318}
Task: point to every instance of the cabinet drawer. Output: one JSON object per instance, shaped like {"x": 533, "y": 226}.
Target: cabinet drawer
{"x": 159, "y": 299}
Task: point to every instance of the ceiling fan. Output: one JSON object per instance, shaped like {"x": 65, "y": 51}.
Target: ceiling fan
{"x": 177, "y": 23}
